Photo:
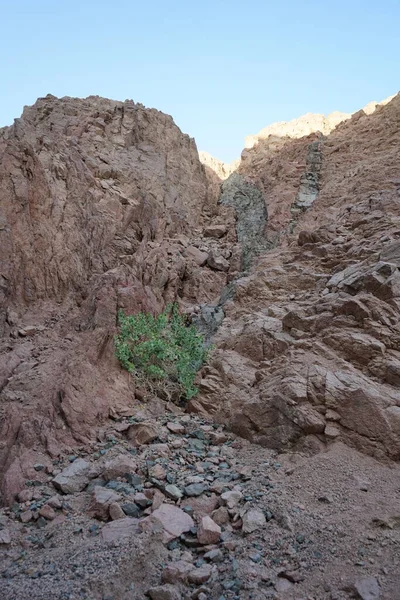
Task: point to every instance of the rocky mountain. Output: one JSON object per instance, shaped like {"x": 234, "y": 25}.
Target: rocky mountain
{"x": 279, "y": 479}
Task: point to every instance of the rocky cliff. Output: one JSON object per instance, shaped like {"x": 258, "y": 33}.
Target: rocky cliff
{"x": 103, "y": 206}
{"x": 106, "y": 205}
{"x": 309, "y": 349}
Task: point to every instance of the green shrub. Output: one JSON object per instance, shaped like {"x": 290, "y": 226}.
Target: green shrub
{"x": 163, "y": 351}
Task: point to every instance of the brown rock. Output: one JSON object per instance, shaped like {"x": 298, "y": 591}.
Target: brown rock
{"x": 221, "y": 515}
{"x": 121, "y": 465}
{"x": 176, "y": 428}
{"x": 116, "y": 512}
{"x": 200, "y": 575}
{"x": 142, "y": 433}
{"x": 215, "y": 231}
{"x": 216, "y": 261}
{"x": 196, "y": 255}
{"x": 47, "y": 512}
{"x": 208, "y": 531}
{"x": 164, "y": 592}
{"x": 202, "y": 505}
{"x": 177, "y": 572}
{"x": 26, "y": 516}
{"x": 100, "y": 502}
{"x": 120, "y": 530}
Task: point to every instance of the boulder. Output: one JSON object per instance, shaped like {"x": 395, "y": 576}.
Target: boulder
{"x": 173, "y": 520}
{"x": 73, "y": 478}
{"x": 100, "y": 502}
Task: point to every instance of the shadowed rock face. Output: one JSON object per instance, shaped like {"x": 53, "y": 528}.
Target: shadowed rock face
{"x": 251, "y": 215}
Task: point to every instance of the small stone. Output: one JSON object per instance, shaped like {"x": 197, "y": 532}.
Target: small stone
{"x": 195, "y": 489}
{"x": 157, "y": 472}
{"x": 25, "y": 495}
{"x": 55, "y": 502}
{"x": 176, "y": 428}
{"x": 164, "y": 592}
{"x": 208, "y": 531}
{"x": 232, "y": 498}
{"x": 131, "y": 509}
{"x": 39, "y": 467}
{"x": 367, "y": 588}
{"x": 200, "y": 575}
{"x": 177, "y": 571}
{"x": 100, "y": 502}
{"x": 331, "y": 431}
{"x": 116, "y": 512}
{"x": 215, "y": 231}
{"x": 142, "y": 500}
{"x": 173, "y": 492}
{"x": 214, "y": 556}
{"x": 120, "y": 466}
{"x": 5, "y": 537}
{"x": 47, "y": 512}
{"x": 221, "y": 515}
{"x": 26, "y": 516}
{"x": 325, "y": 499}
{"x": 252, "y": 520}
{"x": 217, "y": 262}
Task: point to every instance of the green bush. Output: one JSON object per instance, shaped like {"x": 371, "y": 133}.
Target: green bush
{"x": 163, "y": 351}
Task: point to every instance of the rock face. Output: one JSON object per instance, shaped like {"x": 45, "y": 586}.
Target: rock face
{"x": 97, "y": 203}
{"x": 291, "y": 271}
{"x": 308, "y": 352}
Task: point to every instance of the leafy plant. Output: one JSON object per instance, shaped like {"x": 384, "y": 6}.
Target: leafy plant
{"x": 163, "y": 351}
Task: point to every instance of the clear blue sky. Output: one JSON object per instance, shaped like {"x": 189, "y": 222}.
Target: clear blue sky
{"x": 222, "y": 69}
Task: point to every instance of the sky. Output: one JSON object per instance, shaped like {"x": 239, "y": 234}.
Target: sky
{"x": 223, "y": 69}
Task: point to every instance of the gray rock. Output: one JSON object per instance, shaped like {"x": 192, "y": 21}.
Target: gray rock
{"x": 253, "y": 519}
{"x": 195, "y": 489}
{"x": 367, "y": 588}
{"x": 164, "y": 592}
{"x": 74, "y": 478}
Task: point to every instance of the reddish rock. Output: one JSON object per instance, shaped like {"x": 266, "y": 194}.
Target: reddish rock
{"x": 176, "y": 428}
{"x": 215, "y": 231}
{"x": 121, "y": 465}
{"x": 174, "y": 521}
{"x": 116, "y": 512}
{"x": 208, "y": 532}
{"x": 100, "y": 501}
{"x": 142, "y": 433}
{"x": 202, "y": 505}
{"x": 177, "y": 572}
{"x": 200, "y": 575}
{"x": 120, "y": 530}
{"x": 47, "y": 512}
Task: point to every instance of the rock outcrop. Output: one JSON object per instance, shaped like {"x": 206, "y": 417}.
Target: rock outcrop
{"x": 309, "y": 349}
{"x": 289, "y": 266}
{"x": 102, "y": 207}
